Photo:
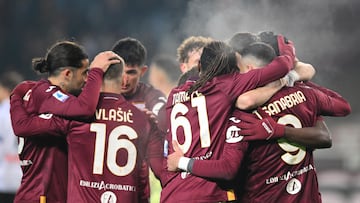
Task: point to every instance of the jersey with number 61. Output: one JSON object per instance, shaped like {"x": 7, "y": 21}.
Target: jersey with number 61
{"x": 198, "y": 123}
{"x": 280, "y": 171}
{"x": 105, "y": 156}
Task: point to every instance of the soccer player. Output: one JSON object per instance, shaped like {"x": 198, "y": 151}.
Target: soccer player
{"x": 105, "y": 156}
{"x": 189, "y": 52}
{"x": 142, "y": 95}
{"x": 276, "y": 170}
{"x": 43, "y": 158}
{"x": 197, "y": 111}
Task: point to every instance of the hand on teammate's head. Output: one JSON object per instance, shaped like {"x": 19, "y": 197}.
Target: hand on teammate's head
{"x": 104, "y": 59}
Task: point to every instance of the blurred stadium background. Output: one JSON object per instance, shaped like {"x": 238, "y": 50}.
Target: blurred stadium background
{"x": 326, "y": 34}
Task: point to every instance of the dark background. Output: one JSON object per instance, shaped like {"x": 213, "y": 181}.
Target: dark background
{"x": 325, "y": 32}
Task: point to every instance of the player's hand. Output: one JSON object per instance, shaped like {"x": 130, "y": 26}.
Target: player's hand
{"x": 151, "y": 115}
{"x": 286, "y": 47}
{"x": 104, "y": 59}
{"x": 263, "y": 128}
{"x": 173, "y": 159}
{"x": 22, "y": 88}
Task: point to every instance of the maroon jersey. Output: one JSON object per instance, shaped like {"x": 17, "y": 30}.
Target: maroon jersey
{"x": 197, "y": 123}
{"x": 105, "y": 157}
{"x": 330, "y": 103}
{"x": 154, "y": 100}
{"x": 148, "y": 97}
{"x": 44, "y": 158}
{"x": 279, "y": 171}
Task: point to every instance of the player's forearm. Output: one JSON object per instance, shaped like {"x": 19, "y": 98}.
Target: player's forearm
{"x": 316, "y": 137}
{"x": 25, "y": 125}
{"x": 334, "y": 103}
{"x": 305, "y": 71}
{"x": 257, "y": 97}
{"x": 224, "y": 168}
{"x": 275, "y": 70}
{"x": 83, "y": 106}
{"x": 155, "y": 150}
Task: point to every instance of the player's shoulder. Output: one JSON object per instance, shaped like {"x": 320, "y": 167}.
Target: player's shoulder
{"x": 44, "y": 86}
{"x": 44, "y": 89}
{"x": 149, "y": 89}
{"x": 131, "y": 108}
{"x": 306, "y": 88}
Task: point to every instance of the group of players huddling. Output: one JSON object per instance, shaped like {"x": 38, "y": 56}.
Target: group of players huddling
{"x": 241, "y": 126}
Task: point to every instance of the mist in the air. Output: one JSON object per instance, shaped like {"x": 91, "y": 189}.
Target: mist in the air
{"x": 325, "y": 33}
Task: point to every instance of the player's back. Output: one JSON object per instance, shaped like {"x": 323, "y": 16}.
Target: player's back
{"x": 104, "y": 156}
{"x": 196, "y": 123}
{"x": 279, "y": 171}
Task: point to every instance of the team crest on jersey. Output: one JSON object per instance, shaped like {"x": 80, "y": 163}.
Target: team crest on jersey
{"x": 293, "y": 186}
{"x": 139, "y": 105}
{"x": 233, "y": 134}
{"x": 60, "y": 96}
{"x": 108, "y": 197}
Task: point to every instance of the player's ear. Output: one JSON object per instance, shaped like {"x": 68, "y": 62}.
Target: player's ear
{"x": 143, "y": 70}
{"x": 67, "y": 73}
{"x": 183, "y": 67}
{"x": 250, "y": 67}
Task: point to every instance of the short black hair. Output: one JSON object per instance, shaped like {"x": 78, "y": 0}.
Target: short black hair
{"x": 261, "y": 51}
{"x": 241, "y": 40}
{"x": 131, "y": 50}
{"x": 114, "y": 71}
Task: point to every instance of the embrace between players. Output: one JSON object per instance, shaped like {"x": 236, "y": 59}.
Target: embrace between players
{"x": 85, "y": 142}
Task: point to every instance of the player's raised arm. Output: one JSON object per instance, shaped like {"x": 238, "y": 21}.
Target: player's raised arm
{"x": 85, "y": 104}
{"x": 35, "y": 125}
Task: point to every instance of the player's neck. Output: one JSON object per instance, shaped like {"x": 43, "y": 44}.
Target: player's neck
{"x": 58, "y": 82}
{"x": 111, "y": 87}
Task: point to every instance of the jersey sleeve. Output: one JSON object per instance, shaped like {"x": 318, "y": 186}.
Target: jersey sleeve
{"x": 83, "y": 106}
{"x": 155, "y": 100}
{"x": 224, "y": 168}
{"x": 275, "y": 70}
{"x": 331, "y": 102}
{"x": 155, "y": 150}
{"x": 31, "y": 125}
{"x": 162, "y": 119}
